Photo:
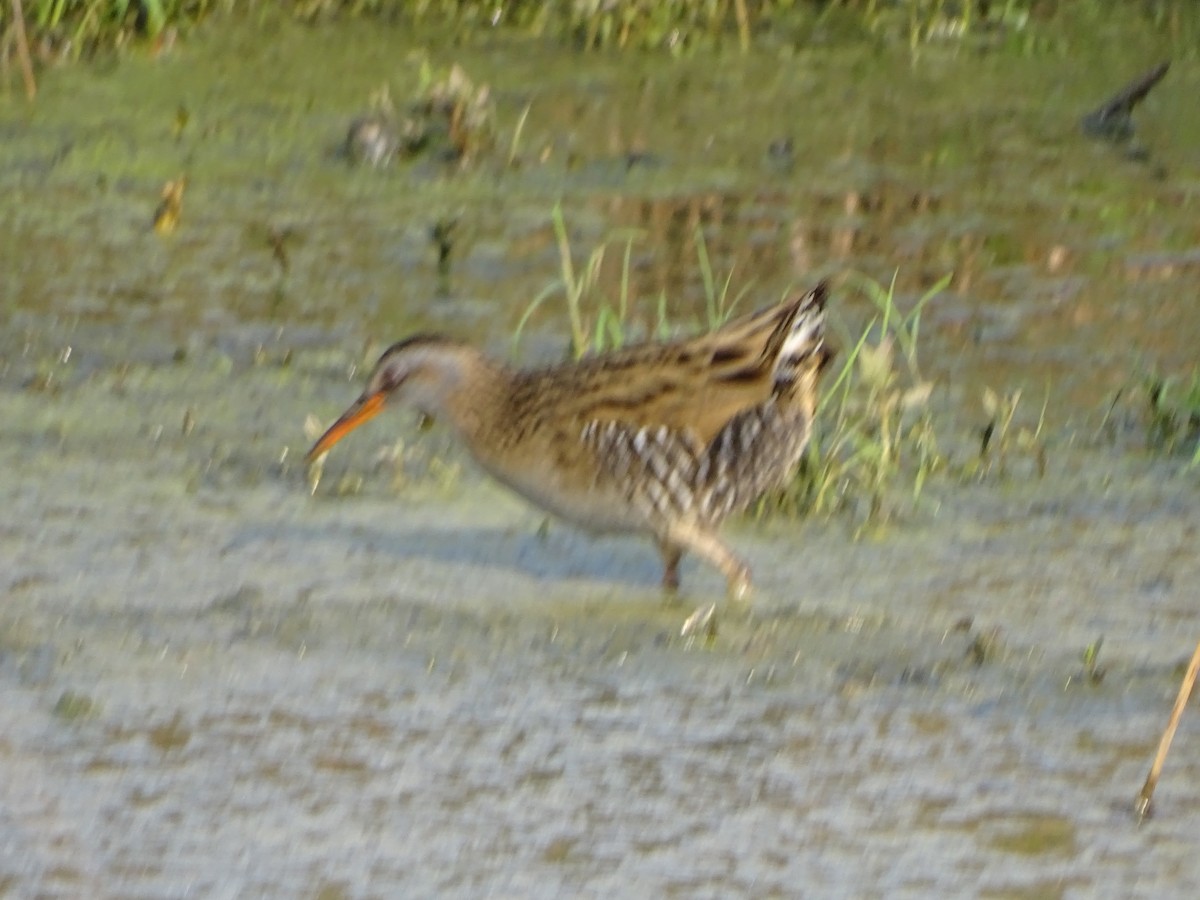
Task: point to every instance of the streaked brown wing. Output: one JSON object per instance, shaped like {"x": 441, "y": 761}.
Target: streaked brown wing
{"x": 697, "y": 385}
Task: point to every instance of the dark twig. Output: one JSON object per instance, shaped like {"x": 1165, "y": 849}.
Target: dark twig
{"x": 1113, "y": 119}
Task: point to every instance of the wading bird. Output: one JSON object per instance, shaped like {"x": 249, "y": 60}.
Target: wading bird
{"x": 666, "y": 439}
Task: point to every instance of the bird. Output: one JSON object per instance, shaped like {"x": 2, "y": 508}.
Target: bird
{"x": 663, "y": 438}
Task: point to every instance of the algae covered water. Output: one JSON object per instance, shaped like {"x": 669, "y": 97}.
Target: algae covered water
{"x": 218, "y": 683}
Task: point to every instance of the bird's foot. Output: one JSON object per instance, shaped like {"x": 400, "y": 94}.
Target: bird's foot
{"x": 738, "y": 584}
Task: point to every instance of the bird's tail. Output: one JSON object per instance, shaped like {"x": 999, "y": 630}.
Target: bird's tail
{"x": 799, "y": 345}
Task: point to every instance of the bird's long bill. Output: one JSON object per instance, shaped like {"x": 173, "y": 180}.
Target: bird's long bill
{"x": 363, "y": 410}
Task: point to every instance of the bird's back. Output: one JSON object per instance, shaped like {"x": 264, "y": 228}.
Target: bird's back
{"x": 692, "y": 429}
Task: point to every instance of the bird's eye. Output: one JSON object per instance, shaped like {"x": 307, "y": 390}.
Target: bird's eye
{"x": 391, "y": 379}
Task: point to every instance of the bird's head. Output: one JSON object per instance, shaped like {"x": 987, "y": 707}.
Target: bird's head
{"x": 421, "y": 371}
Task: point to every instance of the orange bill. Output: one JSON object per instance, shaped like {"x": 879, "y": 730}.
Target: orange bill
{"x": 363, "y": 410}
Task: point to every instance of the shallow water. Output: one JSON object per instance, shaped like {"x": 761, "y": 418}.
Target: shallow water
{"x": 216, "y": 684}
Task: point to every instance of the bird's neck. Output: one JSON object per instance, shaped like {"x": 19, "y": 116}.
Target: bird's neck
{"x": 464, "y": 388}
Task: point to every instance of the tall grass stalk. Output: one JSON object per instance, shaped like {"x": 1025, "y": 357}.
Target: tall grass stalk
{"x": 607, "y": 326}
{"x": 717, "y": 306}
{"x": 878, "y": 439}
{"x": 597, "y": 323}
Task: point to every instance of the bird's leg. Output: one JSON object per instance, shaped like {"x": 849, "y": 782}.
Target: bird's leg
{"x": 705, "y": 544}
{"x": 671, "y": 554}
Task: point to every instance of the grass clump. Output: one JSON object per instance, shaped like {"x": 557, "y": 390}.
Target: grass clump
{"x": 1173, "y": 414}
{"x": 877, "y": 445}
{"x": 999, "y": 440}
{"x": 654, "y": 24}
{"x": 1161, "y": 413}
{"x": 941, "y": 21}
{"x": 600, "y": 321}
{"x": 597, "y": 323}
{"x": 58, "y": 29}
{"x": 67, "y": 29}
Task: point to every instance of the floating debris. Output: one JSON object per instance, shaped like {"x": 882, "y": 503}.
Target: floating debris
{"x": 450, "y": 118}
{"x": 170, "y": 206}
{"x": 372, "y": 140}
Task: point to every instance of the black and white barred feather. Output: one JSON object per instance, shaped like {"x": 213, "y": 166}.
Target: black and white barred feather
{"x": 669, "y": 473}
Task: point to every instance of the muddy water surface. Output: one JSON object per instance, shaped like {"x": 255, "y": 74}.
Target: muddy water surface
{"x": 215, "y": 684}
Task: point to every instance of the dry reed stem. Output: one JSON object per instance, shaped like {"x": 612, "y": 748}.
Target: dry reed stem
{"x": 1185, "y": 689}
{"x": 23, "y": 50}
